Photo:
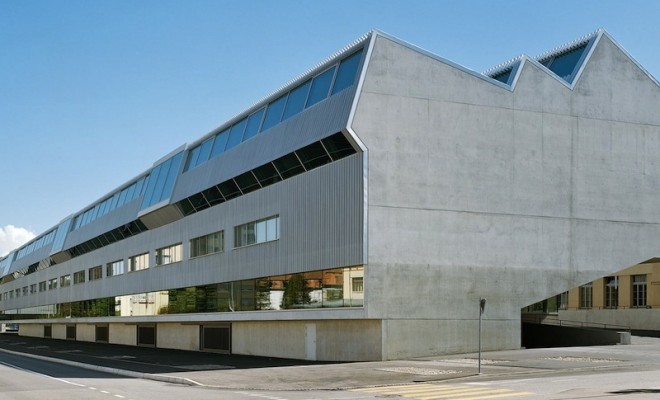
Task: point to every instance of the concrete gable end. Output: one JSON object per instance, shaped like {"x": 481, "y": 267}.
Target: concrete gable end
{"x": 395, "y": 68}
{"x": 614, "y": 87}
{"x": 537, "y": 89}
{"x": 515, "y": 195}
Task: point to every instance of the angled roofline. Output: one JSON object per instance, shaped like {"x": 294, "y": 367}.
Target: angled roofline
{"x": 592, "y": 40}
{"x": 335, "y": 57}
{"x": 443, "y": 60}
{"x": 573, "y": 44}
{"x": 504, "y": 66}
{"x": 633, "y": 59}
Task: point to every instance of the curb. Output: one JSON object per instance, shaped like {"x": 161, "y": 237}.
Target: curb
{"x": 114, "y": 371}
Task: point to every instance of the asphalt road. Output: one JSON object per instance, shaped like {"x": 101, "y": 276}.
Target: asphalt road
{"x": 23, "y": 378}
{"x": 599, "y": 372}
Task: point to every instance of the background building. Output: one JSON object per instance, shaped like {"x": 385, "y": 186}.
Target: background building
{"x": 361, "y": 211}
{"x": 628, "y": 298}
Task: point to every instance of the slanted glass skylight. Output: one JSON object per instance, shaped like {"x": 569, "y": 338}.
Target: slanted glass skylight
{"x": 36, "y": 244}
{"x": 161, "y": 181}
{"x": 566, "y": 64}
{"x": 312, "y": 91}
{"x": 60, "y": 236}
{"x": 118, "y": 199}
{"x": 506, "y": 72}
{"x": 314, "y": 155}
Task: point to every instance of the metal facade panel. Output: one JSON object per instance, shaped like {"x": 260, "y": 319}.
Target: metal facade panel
{"x": 321, "y": 222}
{"x": 31, "y": 258}
{"x": 319, "y": 121}
{"x": 108, "y": 222}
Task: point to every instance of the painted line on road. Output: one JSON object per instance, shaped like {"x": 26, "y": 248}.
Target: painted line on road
{"x": 40, "y": 374}
{"x": 108, "y": 370}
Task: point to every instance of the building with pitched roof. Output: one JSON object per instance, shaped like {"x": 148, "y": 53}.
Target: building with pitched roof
{"x": 361, "y": 211}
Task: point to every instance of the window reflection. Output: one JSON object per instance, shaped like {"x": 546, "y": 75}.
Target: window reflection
{"x": 333, "y": 288}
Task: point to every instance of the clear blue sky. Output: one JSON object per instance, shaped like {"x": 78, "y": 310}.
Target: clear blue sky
{"x": 93, "y": 92}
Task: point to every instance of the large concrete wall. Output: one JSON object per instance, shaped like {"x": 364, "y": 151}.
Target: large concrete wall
{"x": 475, "y": 190}
{"x": 178, "y": 336}
{"x": 122, "y": 334}
{"x": 335, "y": 340}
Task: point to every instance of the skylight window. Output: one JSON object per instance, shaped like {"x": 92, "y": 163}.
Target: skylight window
{"x": 565, "y": 65}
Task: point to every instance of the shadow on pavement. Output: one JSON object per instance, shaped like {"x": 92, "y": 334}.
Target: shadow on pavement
{"x": 140, "y": 359}
{"x": 635, "y": 391}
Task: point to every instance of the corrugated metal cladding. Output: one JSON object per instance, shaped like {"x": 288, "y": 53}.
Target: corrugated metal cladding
{"x": 321, "y": 226}
{"x": 106, "y": 223}
{"x": 319, "y": 121}
{"x": 30, "y": 259}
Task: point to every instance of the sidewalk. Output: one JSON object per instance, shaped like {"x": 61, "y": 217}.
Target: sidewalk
{"x": 244, "y": 373}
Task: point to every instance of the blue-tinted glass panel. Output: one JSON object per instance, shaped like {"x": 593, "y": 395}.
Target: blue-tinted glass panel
{"x": 115, "y": 199}
{"x": 153, "y": 179}
{"x": 108, "y": 204}
{"x": 503, "y": 76}
{"x": 122, "y": 198}
{"x": 60, "y": 236}
{"x": 138, "y": 188}
{"x": 130, "y": 193}
{"x": 204, "y": 151}
{"x": 4, "y": 264}
{"x": 81, "y": 217}
{"x": 236, "y": 134}
{"x": 86, "y": 217}
{"x": 164, "y": 176}
{"x": 346, "y": 73}
{"x": 146, "y": 182}
{"x": 220, "y": 143}
{"x": 160, "y": 183}
{"x": 320, "y": 87}
{"x": 565, "y": 64}
{"x": 171, "y": 177}
{"x": 274, "y": 113}
{"x": 104, "y": 203}
{"x": 192, "y": 158}
{"x": 97, "y": 211}
{"x": 253, "y": 123}
{"x": 296, "y": 100}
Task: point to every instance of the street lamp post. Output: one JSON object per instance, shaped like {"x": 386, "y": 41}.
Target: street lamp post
{"x": 482, "y": 306}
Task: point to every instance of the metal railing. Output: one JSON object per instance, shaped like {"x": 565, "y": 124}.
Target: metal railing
{"x": 550, "y": 319}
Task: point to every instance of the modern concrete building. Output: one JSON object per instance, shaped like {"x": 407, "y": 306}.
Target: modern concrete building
{"x": 361, "y": 211}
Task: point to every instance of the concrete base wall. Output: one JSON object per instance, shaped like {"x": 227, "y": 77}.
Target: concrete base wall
{"x": 269, "y": 339}
{"x": 420, "y": 338}
{"x": 32, "y": 330}
{"x": 122, "y": 334}
{"x": 59, "y": 331}
{"x": 178, "y": 336}
{"x": 86, "y": 332}
{"x": 340, "y": 340}
{"x": 331, "y": 340}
